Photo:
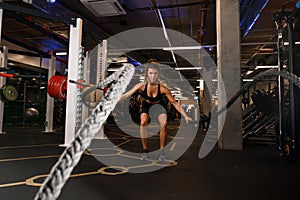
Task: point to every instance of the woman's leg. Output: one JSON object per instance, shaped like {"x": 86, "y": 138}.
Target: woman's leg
{"x": 143, "y": 130}
{"x": 162, "y": 118}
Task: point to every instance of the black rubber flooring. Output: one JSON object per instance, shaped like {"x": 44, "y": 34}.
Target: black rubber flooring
{"x": 257, "y": 172}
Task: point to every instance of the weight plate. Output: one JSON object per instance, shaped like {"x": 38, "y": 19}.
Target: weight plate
{"x": 9, "y": 93}
{"x": 57, "y": 87}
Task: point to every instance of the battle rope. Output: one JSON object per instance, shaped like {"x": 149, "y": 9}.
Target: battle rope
{"x": 61, "y": 171}
{"x": 118, "y": 81}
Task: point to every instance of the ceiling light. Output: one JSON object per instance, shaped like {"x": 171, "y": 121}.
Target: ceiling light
{"x": 142, "y": 78}
{"x": 266, "y": 66}
{"x": 266, "y": 49}
{"x": 51, "y": 1}
{"x": 247, "y": 80}
{"x": 187, "y": 47}
{"x": 187, "y": 68}
{"x": 249, "y": 72}
{"x": 180, "y": 98}
{"x": 27, "y": 1}
{"x": 61, "y": 53}
{"x": 287, "y": 43}
{"x": 175, "y": 92}
{"x": 298, "y": 4}
{"x": 113, "y": 69}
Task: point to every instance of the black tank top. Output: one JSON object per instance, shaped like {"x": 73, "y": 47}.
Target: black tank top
{"x": 145, "y": 95}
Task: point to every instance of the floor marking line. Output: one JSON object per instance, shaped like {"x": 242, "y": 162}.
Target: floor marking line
{"x": 28, "y": 146}
{"x": 173, "y": 146}
{"x": 171, "y": 137}
{"x": 84, "y": 174}
{"x": 122, "y": 143}
{"x": 11, "y": 184}
{"x": 28, "y": 158}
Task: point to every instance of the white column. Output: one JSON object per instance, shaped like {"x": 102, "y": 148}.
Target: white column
{"x": 1, "y": 17}
{"x": 86, "y": 78}
{"x": 229, "y": 58}
{"x": 2, "y": 79}
{"x": 101, "y": 74}
{"x": 50, "y": 100}
{"x": 73, "y": 64}
{"x": 3, "y": 57}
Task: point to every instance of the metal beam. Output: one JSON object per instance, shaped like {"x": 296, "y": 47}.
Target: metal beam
{"x": 42, "y": 30}
{"x": 31, "y": 12}
{"x": 26, "y": 46}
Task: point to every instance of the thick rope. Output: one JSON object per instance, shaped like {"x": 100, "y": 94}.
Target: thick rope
{"x": 61, "y": 171}
{"x": 118, "y": 82}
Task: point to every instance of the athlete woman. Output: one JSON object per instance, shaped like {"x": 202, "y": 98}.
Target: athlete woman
{"x": 153, "y": 91}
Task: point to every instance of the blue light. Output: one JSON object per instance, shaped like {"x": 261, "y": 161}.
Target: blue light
{"x": 252, "y": 24}
{"x": 298, "y": 4}
{"x": 256, "y": 14}
{"x": 134, "y": 62}
{"x": 51, "y": 1}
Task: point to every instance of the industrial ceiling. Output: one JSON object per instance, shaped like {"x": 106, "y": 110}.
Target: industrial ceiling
{"x": 41, "y": 26}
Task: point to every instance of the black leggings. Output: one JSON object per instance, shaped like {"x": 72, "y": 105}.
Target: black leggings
{"x": 157, "y": 109}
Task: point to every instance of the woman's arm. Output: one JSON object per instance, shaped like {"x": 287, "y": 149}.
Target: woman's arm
{"x": 176, "y": 104}
{"x": 132, "y": 91}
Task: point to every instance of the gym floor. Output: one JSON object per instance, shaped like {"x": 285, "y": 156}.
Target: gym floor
{"x": 257, "y": 172}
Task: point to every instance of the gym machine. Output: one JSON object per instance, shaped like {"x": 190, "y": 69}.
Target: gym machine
{"x": 89, "y": 69}
{"x": 288, "y": 27}
{"x": 260, "y": 118}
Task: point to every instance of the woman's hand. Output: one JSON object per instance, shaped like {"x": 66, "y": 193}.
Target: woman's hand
{"x": 187, "y": 119}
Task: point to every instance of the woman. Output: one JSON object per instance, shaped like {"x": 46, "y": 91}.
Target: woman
{"x": 152, "y": 91}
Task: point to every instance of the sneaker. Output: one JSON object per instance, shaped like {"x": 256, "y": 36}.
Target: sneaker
{"x": 144, "y": 154}
{"x": 162, "y": 156}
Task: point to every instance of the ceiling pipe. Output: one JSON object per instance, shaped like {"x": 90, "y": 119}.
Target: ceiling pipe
{"x": 97, "y": 33}
{"x": 12, "y": 64}
{"x": 42, "y": 30}
{"x": 179, "y": 17}
{"x": 37, "y": 53}
{"x": 158, "y": 14}
{"x": 26, "y": 46}
{"x": 156, "y": 7}
{"x": 24, "y": 53}
{"x": 15, "y": 8}
{"x": 202, "y": 23}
